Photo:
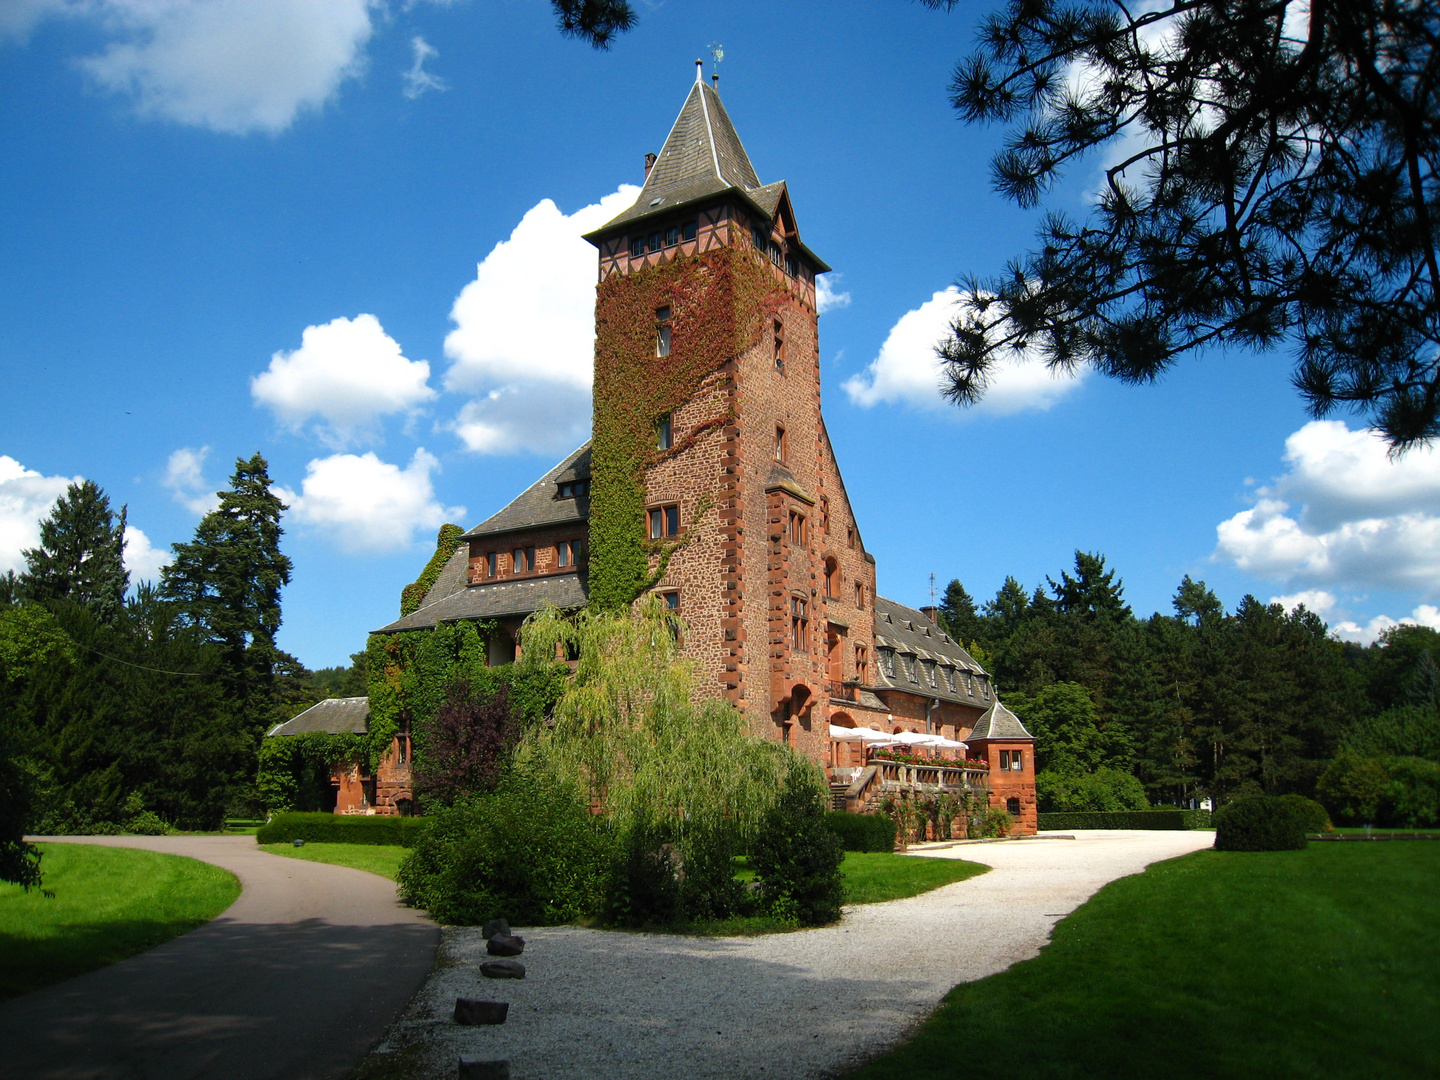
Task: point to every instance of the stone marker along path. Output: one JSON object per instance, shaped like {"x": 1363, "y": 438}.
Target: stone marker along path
{"x": 295, "y": 981}
{"x": 597, "y": 1005}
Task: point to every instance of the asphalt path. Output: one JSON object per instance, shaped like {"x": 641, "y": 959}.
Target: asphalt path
{"x": 296, "y": 980}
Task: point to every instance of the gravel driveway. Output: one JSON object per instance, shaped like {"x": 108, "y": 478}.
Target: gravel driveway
{"x": 598, "y": 1005}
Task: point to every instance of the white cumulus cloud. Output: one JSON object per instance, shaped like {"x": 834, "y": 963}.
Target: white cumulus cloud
{"x": 348, "y": 373}
{"x": 236, "y": 66}
{"x": 826, "y": 297}
{"x": 142, "y": 558}
{"x": 524, "y": 337}
{"x": 185, "y": 477}
{"x": 367, "y": 504}
{"x": 908, "y": 371}
{"x": 26, "y": 497}
{"x": 1346, "y": 513}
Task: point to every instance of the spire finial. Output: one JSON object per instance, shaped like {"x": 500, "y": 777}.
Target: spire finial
{"x": 699, "y": 70}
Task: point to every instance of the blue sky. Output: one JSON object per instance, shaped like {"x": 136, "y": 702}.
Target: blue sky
{"x": 345, "y": 235}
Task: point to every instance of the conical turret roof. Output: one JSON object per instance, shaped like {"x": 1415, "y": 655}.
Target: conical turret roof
{"x": 998, "y": 723}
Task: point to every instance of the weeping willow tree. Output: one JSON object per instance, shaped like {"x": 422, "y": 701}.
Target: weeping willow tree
{"x": 629, "y": 735}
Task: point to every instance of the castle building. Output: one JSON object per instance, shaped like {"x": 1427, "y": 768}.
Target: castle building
{"x": 710, "y": 479}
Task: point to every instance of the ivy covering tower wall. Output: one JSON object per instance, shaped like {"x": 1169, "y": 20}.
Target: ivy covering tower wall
{"x": 446, "y": 541}
{"x": 719, "y": 303}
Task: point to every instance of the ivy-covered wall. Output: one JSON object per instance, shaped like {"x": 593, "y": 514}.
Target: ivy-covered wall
{"x": 720, "y": 302}
{"x": 446, "y": 541}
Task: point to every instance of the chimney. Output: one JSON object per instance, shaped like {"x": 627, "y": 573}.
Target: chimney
{"x": 649, "y": 164}
{"x": 931, "y": 613}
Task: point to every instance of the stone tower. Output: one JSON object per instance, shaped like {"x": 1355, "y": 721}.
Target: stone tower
{"x": 713, "y": 482}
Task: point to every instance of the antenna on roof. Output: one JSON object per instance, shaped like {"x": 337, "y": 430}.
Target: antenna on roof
{"x": 717, "y": 53}
{"x": 932, "y": 588}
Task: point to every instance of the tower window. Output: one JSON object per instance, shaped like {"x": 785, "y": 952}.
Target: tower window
{"x": 860, "y": 596}
{"x": 780, "y": 448}
{"x": 779, "y": 345}
{"x": 832, "y": 579}
{"x": 850, "y": 536}
{"x": 664, "y": 521}
{"x": 688, "y": 230}
{"x": 662, "y": 331}
{"x": 637, "y": 247}
{"x": 862, "y": 668}
{"x": 792, "y": 266}
{"x": 797, "y": 528}
{"x": 662, "y": 433}
{"x": 799, "y": 624}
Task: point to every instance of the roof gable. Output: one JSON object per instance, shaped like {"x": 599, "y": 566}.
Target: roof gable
{"x": 538, "y": 504}
{"x": 998, "y": 723}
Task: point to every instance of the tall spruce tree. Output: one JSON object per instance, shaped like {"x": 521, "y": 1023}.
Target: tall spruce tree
{"x": 227, "y": 581}
{"x": 81, "y": 557}
{"x": 958, "y": 616}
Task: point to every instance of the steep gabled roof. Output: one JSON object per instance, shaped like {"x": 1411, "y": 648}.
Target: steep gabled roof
{"x": 702, "y": 157}
{"x": 998, "y": 723}
{"x": 918, "y": 642}
{"x": 333, "y": 716}
{"x": 539, "y": 504}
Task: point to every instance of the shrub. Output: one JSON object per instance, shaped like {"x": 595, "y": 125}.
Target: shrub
{"x": 1159, "y": 818}
{"x": 465, "y": 743}
{"x": 1104, "y": 790}
{"x": 528, "y": 852}
{"x": 862, "y": 832}
{"x": 796, "y": 857}
{"x": 660, "y": 878}
{"x": 1309, "y": 813}
{"x": 1259, "y": 823}
{"x": 990, "y": 823}
{"x": 1396, "y": 792}
{"x": 341, "y": 829}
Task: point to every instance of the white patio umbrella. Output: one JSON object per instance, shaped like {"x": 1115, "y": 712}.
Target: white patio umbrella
{"x": 860, "y": 734}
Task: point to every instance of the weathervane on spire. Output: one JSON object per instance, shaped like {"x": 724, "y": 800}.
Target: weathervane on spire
{"x": 717, "y": 51}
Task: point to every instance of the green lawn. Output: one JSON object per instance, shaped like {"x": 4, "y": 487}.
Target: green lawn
{"x": 109, "y": 903}
{"x": 1323, "y": 962}
{"x": 382, "y": 859}
{"x": 873, "y": 876}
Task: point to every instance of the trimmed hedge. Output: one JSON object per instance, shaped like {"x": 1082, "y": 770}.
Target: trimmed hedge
{"x": 1127, "y": 819}
{"x": 341, "y": 829}
{"x": 1260, "y": 823}
{"x": 862, "y": 832}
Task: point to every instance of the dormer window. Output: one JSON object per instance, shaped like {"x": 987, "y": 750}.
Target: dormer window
{"x": 662, "y": 331}
{"x": 662, "y": 433}
{"x": 575, "y": 489}
{"x": 887, "y": 662}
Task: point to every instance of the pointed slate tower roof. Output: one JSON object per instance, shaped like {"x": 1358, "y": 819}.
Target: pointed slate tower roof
{"x": 702, "y": 157}
{"x": 998, "y": 723}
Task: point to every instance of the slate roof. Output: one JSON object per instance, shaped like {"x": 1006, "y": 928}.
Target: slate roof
{"x": 919, "y": 646}
{"x": 539, "y": 504}
{"x": 333, "y": 716}
{"x": 702, "y": 157}
{"x": 998, "y": 723}
{"x": 496, "y": 600}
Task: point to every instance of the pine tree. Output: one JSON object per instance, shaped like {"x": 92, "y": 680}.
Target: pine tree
{"x": 228, "y": 579}
{"x": 81, "y": 554}
{"x": 958, "y": 617}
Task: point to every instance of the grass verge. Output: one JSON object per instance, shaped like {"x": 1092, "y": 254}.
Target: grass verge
{"x": 382, "y": 859}
{"x": 109, "y": 903}
{"x": 1279, "y": 964}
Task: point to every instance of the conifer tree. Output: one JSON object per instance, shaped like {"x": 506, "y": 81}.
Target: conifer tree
{"x": 227, "y": 581}
{"x": 81, "y": 554}
{"x": 958, "y": 616}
